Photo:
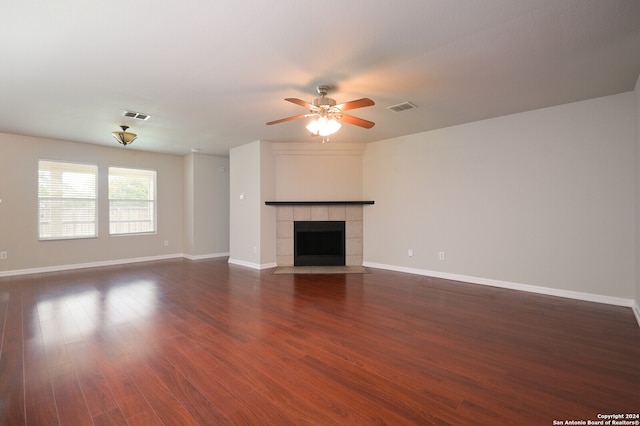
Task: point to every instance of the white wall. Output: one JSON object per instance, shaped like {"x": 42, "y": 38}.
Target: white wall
{"x": 19, "y": 207}
{"x": 543, "y": 198}
{"x": 264, "y": 171}
{"x": 245, "y": 208}
{"x": 189, "y": 224}
{"x": 318, "y": 172}
{"x": 268, "y": 187}
{"x": 206, "y": 205}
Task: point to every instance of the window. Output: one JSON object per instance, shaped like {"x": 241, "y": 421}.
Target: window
{"x": 132, "y": 201}
{"x": 67, "y": 200}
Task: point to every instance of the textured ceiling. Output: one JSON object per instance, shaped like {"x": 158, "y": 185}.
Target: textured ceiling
{"x": 211, "y": 74}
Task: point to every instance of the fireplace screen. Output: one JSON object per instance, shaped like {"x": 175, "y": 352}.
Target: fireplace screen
{"x": 319, "y": 243}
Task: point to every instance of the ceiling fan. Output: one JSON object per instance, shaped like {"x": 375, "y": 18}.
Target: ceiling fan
{"x": 328, "y": 113}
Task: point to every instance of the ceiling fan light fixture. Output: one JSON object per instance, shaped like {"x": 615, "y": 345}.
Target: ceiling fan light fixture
{"x": 323, "y": 126}
{"x": 123, "y": 137}
{"x": 326, "y": 114}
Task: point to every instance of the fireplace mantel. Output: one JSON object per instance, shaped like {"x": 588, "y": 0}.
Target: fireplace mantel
{"x": 315, "y": 203}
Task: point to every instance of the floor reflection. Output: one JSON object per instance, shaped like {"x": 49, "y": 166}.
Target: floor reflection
{"x": 71, "y": 317}
{"x": 131, "y": 302}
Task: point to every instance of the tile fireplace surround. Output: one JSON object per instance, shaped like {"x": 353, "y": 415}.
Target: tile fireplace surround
{"x": 287, "y": 214}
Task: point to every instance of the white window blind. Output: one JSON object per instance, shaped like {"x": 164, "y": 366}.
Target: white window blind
{"x": 132, "y": 201}
{"x": 67, "y": 206}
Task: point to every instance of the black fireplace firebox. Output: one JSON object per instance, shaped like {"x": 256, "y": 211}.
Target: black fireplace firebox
{"x": 319, "y": 243}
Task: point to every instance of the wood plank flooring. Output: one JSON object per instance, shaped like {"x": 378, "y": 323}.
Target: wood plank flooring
{"x": 183, "y": 342}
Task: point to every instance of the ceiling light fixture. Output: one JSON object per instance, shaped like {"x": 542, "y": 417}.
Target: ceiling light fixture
{"x": 326, "y": 114}
{"x": 323, "y": 126}
{"x": 124, "y": 137}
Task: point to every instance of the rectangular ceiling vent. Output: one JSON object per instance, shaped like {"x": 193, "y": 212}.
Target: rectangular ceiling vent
{"x": 402, "y": 107}
{"x": 136, "y": 115}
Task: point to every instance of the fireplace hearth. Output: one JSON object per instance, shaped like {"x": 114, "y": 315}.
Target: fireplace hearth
{"x": 319, "y": 243}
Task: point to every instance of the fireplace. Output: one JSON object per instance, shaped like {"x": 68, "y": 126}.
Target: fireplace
{"x": 289, "y": 212}
{"x": 319, "y": 243}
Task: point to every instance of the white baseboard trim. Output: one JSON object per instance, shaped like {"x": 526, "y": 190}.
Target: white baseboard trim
{"x": 636, "y": 311}
{"x": 58, "y": 268}
{"x": 69, "y": 267}
{"x": 259, "y": 266}
{"x": 205, "y": 256}
{"x": 618, "y": 301}
{"x": 589, "y": 297}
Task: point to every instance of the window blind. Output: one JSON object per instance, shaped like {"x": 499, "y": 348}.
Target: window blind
{"x": 132, "y": 201}
{"x": 67, "y": 206}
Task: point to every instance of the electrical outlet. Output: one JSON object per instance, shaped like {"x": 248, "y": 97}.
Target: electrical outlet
{"x": 3, "y": 255}
{"x": 410, "y": 252}
{"x": 166, "y": 243}
{"x": 441, "y": 255}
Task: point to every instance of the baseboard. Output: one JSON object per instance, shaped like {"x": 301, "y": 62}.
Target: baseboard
{"x": 636, "y": 311}
{"x": 444, "y": 275}
{"x": 205, "y": 256}
{"x": 589, "y": 297}
{"x": 59, "y": 268}
{"x": 252, "y": 265}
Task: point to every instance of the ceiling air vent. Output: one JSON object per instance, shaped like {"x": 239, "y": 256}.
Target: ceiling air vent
{"x": 402, "y": 107}
{"x": 136, "y": 115}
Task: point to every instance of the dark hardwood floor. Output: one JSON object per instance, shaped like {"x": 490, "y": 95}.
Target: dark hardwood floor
{"x": 202, "y": 342}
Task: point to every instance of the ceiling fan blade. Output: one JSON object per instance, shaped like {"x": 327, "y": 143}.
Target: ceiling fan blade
{"x": 359, "y": 103}
{"x": 282, "y": 120}
{"x": 300, "y": 102}
{"x": 357, "y": 121}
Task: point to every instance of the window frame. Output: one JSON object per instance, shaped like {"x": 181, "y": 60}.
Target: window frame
{"x": 56, "y": 236}
{"x": 153, "y": 202}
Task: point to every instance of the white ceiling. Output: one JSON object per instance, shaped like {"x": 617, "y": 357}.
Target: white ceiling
{"x": 212, "y": 73}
